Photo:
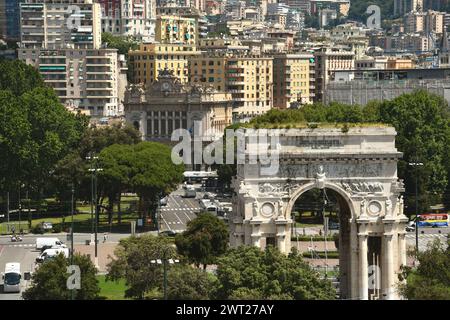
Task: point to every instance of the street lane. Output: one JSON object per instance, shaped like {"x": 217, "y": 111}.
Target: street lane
{"x": 178, "y": 212}
{"x": 26, "y": 256}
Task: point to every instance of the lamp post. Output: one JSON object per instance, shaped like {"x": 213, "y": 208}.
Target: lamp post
{"x": 164, "y": 261}
{"x": 94, "y": 169}
{"x": 71, "y": 236}
{"x": 416, "y": 165}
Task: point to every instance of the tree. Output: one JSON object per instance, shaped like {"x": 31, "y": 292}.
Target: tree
{"x": 188, "y": 283}
{"x": 422, "y": 123}
{"x": 73, "y": 168}
{"x": 121, "y": 43}
{"x": 97, "y": 138}
{"x": 153, "y": 175}
{"x": 49, "y": 282}
{"x": 431, "y": 279}
{"x": 117, "y": 167}
{"x": 247, "y": 272}
{"x": 358, "y": 9}
{"x": 205, "y": 239}
{"x": 133, "y": 263}
{"x": 18, "y": 77}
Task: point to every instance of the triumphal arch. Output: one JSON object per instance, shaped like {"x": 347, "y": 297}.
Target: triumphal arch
{"x": 359, "y": 165}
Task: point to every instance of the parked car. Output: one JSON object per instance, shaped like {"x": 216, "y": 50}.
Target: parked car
{"x": 47, "y": 225}
{"x": 333, "y": 225}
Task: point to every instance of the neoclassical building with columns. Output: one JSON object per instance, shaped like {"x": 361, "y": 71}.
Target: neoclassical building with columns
{"x": 359, "y": 165}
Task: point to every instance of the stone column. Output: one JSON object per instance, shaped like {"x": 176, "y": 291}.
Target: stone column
{"x": 353, "y": 260}
{"x": 363, "y": 268}
{"x": 256, "y": 236}
{"x": 402, "y": 248}
{"x": 389, "y": 272}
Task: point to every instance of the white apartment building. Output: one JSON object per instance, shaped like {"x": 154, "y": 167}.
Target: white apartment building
{"x": 53, "y": 24}
{"x": 134, "y": 18}
{"x": 328, "y": 60}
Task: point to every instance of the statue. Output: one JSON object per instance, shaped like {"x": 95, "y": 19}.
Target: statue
{"x": 320, "y": 178}
{"x": 388, "y": 207}
{"x": 401, "y": 206}
{"x": 363, "y": 208}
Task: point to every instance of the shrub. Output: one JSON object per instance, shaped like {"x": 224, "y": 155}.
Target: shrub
{"x": 37, "y": 230}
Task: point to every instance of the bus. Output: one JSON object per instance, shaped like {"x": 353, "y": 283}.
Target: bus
{"x": 198, "y": 176}
{"x": 12, "y": 277}
{"x": 433, "y": 220}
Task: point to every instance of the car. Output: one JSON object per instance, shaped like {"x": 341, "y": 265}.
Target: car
{"x": 163, "y": 201}
{"x": 47, "y": 225}
{"x": 411, "y": 226}
{"x": 168, "y": 233}
{"x": 333, "y": 225}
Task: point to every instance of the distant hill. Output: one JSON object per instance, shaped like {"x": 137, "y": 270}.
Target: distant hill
{"x": 358, "y": 9}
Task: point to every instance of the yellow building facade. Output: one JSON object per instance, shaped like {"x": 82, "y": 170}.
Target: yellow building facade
{"x": 291, "y": 77}
{"x": 151, "y": 58}
{"x": 176, "y": 29}
{"x": 249, "y": 79}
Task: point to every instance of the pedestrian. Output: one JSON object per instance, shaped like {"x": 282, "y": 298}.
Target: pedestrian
{"x": 105, "y": 237}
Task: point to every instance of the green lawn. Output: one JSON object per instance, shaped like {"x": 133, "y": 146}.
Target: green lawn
{"x": 111, "y": 290}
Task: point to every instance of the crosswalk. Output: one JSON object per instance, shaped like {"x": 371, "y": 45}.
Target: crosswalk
{"x": 426, "y": 239}
{"x": 427, "y": 236}
{"x": 180, "y": 209}
{"x": 21, "y": 245}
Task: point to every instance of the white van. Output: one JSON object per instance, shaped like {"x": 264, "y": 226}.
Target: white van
{"x": 49, "y": 242}
{"x": 51, "y": 253}
{"x": 12, "y": 277}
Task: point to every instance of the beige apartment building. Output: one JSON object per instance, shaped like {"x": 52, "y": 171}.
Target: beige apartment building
{"x": 328, "y": 60}
{"x": 84, "y": 79}
{"x": 151, "y": 58}
{"x": 54, "y": 24}
{"x": 426, "y": 22}
{"x": 293, "y": 80}
{"x": 176, "y": 29}
{"x": 249, "y": 79}
{"x": 208, "y": 69}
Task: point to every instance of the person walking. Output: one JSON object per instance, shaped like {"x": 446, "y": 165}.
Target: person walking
{"x": 105, "y": 237}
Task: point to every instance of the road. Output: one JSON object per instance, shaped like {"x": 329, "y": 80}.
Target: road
{"x": 25, "y": 253}
{"x": 178, "y": 212}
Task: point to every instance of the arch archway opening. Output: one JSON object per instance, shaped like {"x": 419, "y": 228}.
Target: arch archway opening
{"x": 311, "y": 211}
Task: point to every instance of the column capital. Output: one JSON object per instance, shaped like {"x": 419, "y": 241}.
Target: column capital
{"x": 388, "y": 236}
{"x": 363, "y": 235}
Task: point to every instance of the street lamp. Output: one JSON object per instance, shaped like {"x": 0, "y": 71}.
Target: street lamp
{"x": 164, "y": 262}
{"x": 94, "y": 201}
{"x": 71, "y": 236}
{"x": 417, "y": 165}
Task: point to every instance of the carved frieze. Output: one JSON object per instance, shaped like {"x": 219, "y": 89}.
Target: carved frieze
{"x": 333, "y": 170}
{"x": 362, "y": 187}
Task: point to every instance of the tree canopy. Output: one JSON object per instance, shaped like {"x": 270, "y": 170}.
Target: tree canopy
{"x": 205, "y": 239}
{"x": 247, "y": 272}
{"x": 430, "y": 280}
{"x": 37, "y": 131}
{"x": 133, "y": 262}
{"x": 121, "y": 43}
{"x": 49, "y": 281}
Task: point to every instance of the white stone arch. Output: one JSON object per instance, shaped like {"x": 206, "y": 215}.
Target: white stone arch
{"x": 360, "y": 165}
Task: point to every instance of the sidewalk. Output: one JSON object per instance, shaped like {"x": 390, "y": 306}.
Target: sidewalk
{"x": 103, "y": 251}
